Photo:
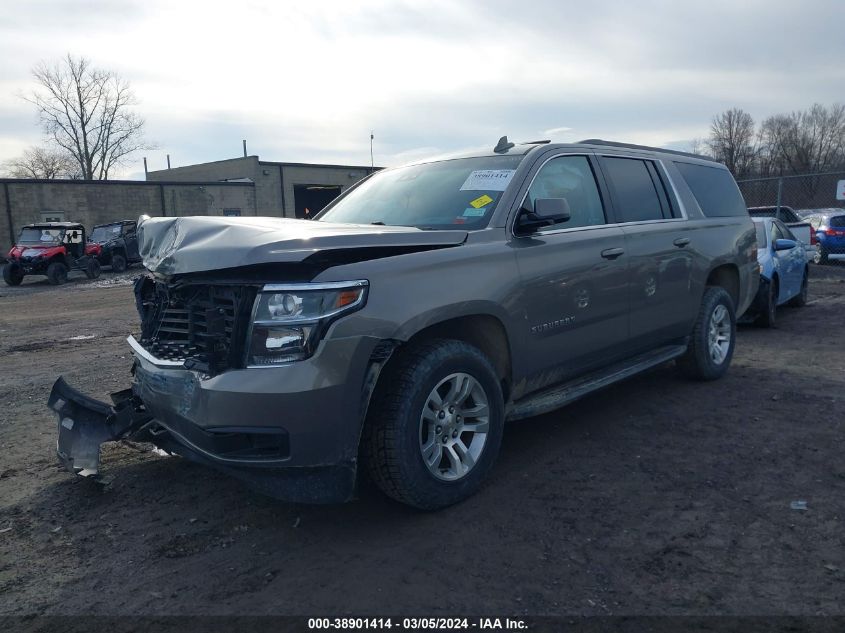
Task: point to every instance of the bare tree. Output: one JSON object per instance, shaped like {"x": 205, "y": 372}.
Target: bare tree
{"x": 732, "y": 141}
{"x": 88, "y": 113}
{"x": 42, "y": 162}
{"x": 698, "y": 146}
{"x": 809, "y": 141}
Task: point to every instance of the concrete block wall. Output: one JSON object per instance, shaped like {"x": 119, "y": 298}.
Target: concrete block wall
{"x": 98, "y": 202}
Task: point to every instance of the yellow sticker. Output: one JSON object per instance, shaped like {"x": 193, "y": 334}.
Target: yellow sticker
{"x": 480, "y": 202}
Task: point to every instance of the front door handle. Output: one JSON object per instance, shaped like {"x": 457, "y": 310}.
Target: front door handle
{"x": 681, "y": 242}
{"x": 612, "y": 253}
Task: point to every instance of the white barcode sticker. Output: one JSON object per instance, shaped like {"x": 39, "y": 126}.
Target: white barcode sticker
{"x": 488, "y": 180}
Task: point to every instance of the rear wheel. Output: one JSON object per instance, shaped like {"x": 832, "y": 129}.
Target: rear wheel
{"x": 92, "y": 270}
{"x": 118, "y": 263}
{"x": 768, "y": 313}
{"x": 57, "y": 273}
{"x": 435, "y": 424}
{"x": 801, "y": 298}
{"x": 12, "y": 274}
{"x": 711, "y": 344}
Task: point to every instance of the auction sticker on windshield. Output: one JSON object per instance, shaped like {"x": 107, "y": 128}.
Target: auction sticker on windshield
{"x": 488, "y": 180}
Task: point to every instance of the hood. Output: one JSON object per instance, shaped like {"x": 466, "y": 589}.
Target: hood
{"x": 32, "y": 250}
{"x": 202, "y": 243}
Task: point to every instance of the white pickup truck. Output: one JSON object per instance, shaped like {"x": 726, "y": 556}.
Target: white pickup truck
{"x": 800, "y": 229}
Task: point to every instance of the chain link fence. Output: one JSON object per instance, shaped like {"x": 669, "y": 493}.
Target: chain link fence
{"x": 807, "y": 191}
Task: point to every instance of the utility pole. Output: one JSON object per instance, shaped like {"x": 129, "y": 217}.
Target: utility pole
{"x": 168, "y": 161}
{"x": 244, "y": 148}
{"x": 145, "y": 168}
{"x": 371, "y": 150}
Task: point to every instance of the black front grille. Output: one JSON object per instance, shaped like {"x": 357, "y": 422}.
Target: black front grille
{"x": 203, "y": 325}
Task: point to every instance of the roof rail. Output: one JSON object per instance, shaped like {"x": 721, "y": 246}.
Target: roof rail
{"x": 598, "y": 141}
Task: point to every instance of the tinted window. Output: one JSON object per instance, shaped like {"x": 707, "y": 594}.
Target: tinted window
{"x": 837, "y": 221}
{"x": 570, "y": 177}
{"x": 636, "y": 196}
{"x": 714, "y": 189}
{"x": 777, "y": 234}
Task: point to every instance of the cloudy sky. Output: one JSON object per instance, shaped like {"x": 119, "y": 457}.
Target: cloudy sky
{"x": 307, "y": 80}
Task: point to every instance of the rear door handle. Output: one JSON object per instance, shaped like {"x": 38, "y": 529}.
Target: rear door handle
{"x": 612, "y": 253}
{"x": 681, "y": 242}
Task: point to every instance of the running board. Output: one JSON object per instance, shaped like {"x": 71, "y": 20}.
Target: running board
{"x": 556, "y": 397}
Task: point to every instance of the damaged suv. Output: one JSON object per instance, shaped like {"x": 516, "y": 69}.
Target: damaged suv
{"x": 421, "y": 310}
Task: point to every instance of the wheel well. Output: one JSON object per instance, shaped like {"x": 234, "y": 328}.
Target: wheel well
{"x": 482, "y": 331}
{"x": 727, "y": 277}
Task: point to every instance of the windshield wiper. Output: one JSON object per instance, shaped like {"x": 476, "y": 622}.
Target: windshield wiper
{"x": 379, "y": 223}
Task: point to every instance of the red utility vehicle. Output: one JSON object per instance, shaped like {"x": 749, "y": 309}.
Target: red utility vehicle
{"x": 52, "y": 249}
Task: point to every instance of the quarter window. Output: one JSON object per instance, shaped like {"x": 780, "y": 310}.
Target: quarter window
{"x": 569, "y": 177}
{"x": 637, "y": 197}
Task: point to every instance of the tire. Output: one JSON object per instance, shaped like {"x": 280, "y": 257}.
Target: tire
{"x": 57, "y": 273}
{"x": 93, "y": 269}
{"x": 821, "y": 256}
{"x": 398, "y": 433}
{"x": 118, "y": 263}
{"x": 768, "y": 313}
{"x": 800, "y": 299}
{"x": 716, "y": 316}
{"x": 12, "y": 274}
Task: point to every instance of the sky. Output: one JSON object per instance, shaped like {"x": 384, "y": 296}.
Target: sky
{"x": 308, "y": 81}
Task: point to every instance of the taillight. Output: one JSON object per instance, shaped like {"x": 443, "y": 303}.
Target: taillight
{"x": 813, "y": 239}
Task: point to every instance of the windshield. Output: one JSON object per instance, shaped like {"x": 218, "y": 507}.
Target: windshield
{"x": 105, "y": 233}
{"x": 460, "y": 193}
{"x": 44, "y": 237}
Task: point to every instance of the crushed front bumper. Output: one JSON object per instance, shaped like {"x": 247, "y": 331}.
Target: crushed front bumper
{"x": 85, "y": 423}
{"x": 287, "y": 432}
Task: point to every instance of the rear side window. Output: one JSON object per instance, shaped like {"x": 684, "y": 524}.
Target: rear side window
{"x": 637, "y": 197}
{"x": 714, "y": 189}
{"x": 837, "y": 221}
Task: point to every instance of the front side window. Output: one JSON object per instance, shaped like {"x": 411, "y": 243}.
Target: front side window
{"x": 451, "y": 194}
{"x": 636, "y": 195}
{"x": 569, "y": 177}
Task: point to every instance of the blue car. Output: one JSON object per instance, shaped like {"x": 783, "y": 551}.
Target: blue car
{"x": 829, "y": 228}
{"x": 783, "y": 270}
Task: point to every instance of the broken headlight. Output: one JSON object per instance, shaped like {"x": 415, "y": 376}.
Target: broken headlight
{"x": 288, "y": 320}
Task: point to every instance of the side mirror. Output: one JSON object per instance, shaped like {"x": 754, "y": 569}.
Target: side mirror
{"x": 785, "y": 245}
{"x": 546, "y": 211}
{"x": 554, "y": 209}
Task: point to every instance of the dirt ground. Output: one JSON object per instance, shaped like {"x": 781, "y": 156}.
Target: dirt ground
{"x": 656, "y": 496}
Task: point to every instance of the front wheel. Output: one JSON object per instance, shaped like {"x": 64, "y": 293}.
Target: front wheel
{"x": 118, "y": 263}
{"x": 12, "y": 274}
{"x": 711, "y": 344}
{"x": 435, "y": 424}
{"x": 92, "y": 270}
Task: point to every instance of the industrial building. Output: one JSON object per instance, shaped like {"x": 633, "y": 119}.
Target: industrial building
{"x": 238, "y": 187}
{"x": 281, "y": 189}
